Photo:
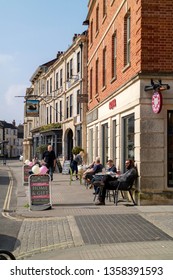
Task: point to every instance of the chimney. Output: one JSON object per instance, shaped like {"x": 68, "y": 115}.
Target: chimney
{"x": 59, "y": 53}
{"x": 74, "y": 37}
{"x": 14, "y": 122}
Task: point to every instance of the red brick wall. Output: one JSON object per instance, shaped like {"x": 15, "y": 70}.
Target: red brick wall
{"x": 157, "y": 35}
{"x": 151, "y": 41}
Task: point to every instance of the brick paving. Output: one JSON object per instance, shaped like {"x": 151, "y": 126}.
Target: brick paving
{"x": 56, "y": 233}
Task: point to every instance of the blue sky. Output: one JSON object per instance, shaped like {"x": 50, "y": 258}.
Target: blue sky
{"x": 31, "y": 33}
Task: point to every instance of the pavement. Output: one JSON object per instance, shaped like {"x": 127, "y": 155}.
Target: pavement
{"x": 76, "y": 229}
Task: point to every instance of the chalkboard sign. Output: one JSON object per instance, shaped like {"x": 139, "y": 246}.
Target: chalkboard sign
{"x": 40, "y": 192}
{"x": 26, "y": 169}
{"x": 66, "y": 167}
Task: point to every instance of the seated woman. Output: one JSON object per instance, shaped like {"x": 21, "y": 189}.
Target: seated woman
{"x": 97, "y": 167}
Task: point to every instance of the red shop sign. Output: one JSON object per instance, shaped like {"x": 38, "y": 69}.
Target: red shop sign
{"x": 157, "y": 102}
{"x": 112, "y": 104}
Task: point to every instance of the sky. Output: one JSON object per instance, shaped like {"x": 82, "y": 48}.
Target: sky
{"x": 31, "y": 33}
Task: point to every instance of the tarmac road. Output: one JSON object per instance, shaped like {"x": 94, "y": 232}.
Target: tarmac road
{"x": 9, "y": 228}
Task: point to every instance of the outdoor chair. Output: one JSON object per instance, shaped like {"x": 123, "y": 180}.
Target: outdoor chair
{"x": 109, "y": 193}
{"x": 122, "y": 189}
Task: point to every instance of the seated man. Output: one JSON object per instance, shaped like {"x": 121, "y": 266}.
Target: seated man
{"x": 88, "y": 174}
{"x": 125, "y": 179}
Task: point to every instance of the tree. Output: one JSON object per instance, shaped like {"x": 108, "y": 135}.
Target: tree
{"x": 76, "y": 150}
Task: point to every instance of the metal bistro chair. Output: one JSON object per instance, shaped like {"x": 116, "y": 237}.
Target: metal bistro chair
{"x": 122, "y": 189}
{"x": 100, "y": 185}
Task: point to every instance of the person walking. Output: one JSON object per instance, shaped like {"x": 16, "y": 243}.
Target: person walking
{"x": 49, "y": 159}
{"x": 77, "y": 161}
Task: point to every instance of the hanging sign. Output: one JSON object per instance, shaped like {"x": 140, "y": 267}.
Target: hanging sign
{"x": 32, "y": 108}
{"x": 157, "y": 102}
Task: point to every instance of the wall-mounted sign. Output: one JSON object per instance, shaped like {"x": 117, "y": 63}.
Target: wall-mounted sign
{"x": 157, "y": 102}
{"x": 82, "y": 98}
{"x": 40, "y": 192}
{"x": 32, "y": 108}
{"x": 112, "y": 104}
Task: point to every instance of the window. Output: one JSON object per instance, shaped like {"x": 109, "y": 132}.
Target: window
{"x": 90, "y": 145}
{"x": 78, "y": 103}
{"x": 170, "y": 148}
{"x": 71, "y": 105}
{"x": 61, "y": 78}
{"x": 68, "y": 71}
{"x": 91, "y": 32}
{"x": 91, "y": 83}
{"x": 104, "y": 143}
{"x": 57, "y": 79}
{"x": 71, "y": 68}
{"x": 114, "y": 141}
{"x": 97, "y": 75}
{"x": 56, "y": 112}
{"x": 60, "y": 110}
{"x": 96, "y": 141}
{"x": 78, "y": 62}
{"x": 104, "y": 67}
{"x": 78, "y": 136}
{"x": 114, "y": 55}
{"x": 127, "y": 30}
{"x": 104, "y": 8}
{"x": 47, "y": 87}
{"x": 128, "y": 143}
{"x": 50, "y": 85}
{"x": 47, "y": 115}
{"x": 97, "y": 19}
{"x": 67, "y": 108}
{"x": 50, "y": 114}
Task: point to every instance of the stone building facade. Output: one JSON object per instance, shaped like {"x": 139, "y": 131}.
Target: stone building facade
{"x": 59, "y": 86}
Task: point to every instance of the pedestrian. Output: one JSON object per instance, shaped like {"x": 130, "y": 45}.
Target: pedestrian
{"x": 77, "y": 161}
{"x": 49, "y": 159}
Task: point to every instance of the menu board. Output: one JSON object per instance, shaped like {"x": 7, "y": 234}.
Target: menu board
{"x": 40, "y": 192}
{"x": 66, "y": 167}
{"x": 26, "y": 169}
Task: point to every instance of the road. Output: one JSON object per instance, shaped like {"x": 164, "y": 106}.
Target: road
{"x": 9, "y": 227}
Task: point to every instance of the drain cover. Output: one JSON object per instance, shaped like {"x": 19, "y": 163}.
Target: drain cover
{"x": 120, "y": 228}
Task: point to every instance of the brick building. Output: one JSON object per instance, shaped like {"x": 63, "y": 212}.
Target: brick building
{"x": 130, "y": 87}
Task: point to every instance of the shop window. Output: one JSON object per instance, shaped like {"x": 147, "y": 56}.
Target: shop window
{"x": 90, "y": 145}
{"x": 128, "y": 134}
{"x": 170, "y": 149}
{"x": 104, "y": 143}
{"x": 114, "y": 141}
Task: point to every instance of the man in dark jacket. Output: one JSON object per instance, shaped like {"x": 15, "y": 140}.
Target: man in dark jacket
{"x": 50, "y": 160}
{"x": 124, "y": 179}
